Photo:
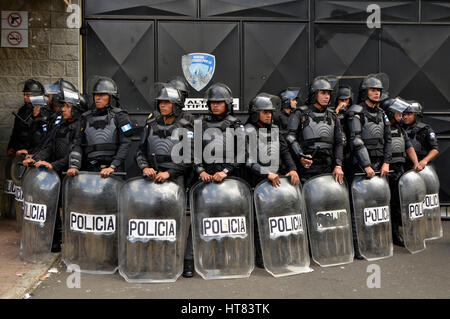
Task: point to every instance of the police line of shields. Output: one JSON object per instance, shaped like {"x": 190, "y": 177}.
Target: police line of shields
{"x": 40, "y": 198}
{"x": 371, "y": 198}
{"x": 152, "y": 231}
{"x": 222, "y": 229}
{"x": 329, "y": 222}
{"x": 282, "y": 228}
{"x": 90, "y": 215}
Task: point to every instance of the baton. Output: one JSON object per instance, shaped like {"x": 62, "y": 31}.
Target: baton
{"x": 113, "y": 173}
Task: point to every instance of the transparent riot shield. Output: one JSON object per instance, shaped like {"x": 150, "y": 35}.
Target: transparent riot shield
{"x": 371, "y": 198}
{"x": 90, "y": 222}
{"x": 282, "y": 228}
{"x": 431, "y": 207}
{"x": 222, "y": 229}
{"x": 329, "y": 221}
{"x": 152, "y": 230}
{"x": 40, "y": 194}
{"x": 412, "y": 190}
{"x": 17, "y": 173}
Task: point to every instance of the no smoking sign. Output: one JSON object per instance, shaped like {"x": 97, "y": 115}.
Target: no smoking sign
{"x": 14, "y": 29}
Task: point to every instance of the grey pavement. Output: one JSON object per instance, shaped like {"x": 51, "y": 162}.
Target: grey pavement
{"x": 421, "y": 275}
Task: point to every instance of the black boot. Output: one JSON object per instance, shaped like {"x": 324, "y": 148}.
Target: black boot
{"x": 397, "y": 237}
{"x": 188, "y": 268}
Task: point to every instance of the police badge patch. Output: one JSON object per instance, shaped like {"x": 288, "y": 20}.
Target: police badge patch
{"x": 198, "y": 69}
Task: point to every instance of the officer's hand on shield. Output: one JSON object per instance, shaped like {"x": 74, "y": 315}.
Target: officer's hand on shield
{"x": 275, "y": 179}
{"x": 421, "y": 165}
{"x": 384, "y": 171}
{"x": 162, "y": 176}
{"x": 338, "y": 174}
{"x": 295, "y": 180}
{"x": 149, "y": 172}
{"x": 369, "y": 171}
{"x": 206, "y": 178}
{"x": 306, "y": 162}
{"x": 43, "y": 163}
{"x": 27, "y": 161}
{"x": 106, "y": 172}
{"x": 72, "y": 172}
{"x": 219, "y": 176}
{"x": 22, "y": 152}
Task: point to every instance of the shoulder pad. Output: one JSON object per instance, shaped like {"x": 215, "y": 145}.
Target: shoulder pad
{"x": 87, "y": 113}
{"x": 302, "y": 108}
{"x": 183, "y": 122}
{"x": 422, "y": 125}
{"x": 116, "y": 110}
{"x": 274, "y": 126}
{"x": 355, "y": 108}
{"x": 232, "y": 119}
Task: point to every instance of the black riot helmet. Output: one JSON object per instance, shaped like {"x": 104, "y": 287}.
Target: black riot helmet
{"x": 33, "y": 86}
{"x": 392, "y": 106}
{"x": 344, "y": 92}
{"x": 78, "y": 102}
{"x": 370, "y": 82}
{"x": 107, "y": 86}
{"x": 320, "y": 83}
{"x": 219, "y": 92}
{"x": 287, "y": 95}
{"x": 56, "y": 90}
{"x": 416, "y": 108}
{"x": 263, "y": 102}
{"x": 166, "y": 92}
{"x": 181, "y": 85}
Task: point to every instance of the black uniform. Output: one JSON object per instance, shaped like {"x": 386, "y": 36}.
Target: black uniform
{"x": 316, "y": 132}
{"x": 103, "y": 140}
{"x": 156, "y": 145}
{"x": 281, "y": 119}
{"x": 19, "y": 137}
{"x": 400, "y": 143}
{"x": 423, "y": 140}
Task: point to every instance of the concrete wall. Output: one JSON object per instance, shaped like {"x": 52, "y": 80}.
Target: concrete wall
{"x": 52, "y": 53}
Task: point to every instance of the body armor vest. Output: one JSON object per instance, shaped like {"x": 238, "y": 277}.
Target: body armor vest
{"x": 318, "y": 131}
{"x": 101, "y": 136}
{"x": 160, "y": 144}
{"x": 398, "y": 145}
{"x": 372, "y": 133}
{"x": 417, "y": 136}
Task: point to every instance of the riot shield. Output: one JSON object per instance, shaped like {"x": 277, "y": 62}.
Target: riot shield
{"x": 9, "y": 193}
{"x": 17, "y": 173}
{"x": 40, "y": 194}
{"x": 412, "y": 190}
{"x": 282, "y": 228}
{"x": 371, "y": 213}
{"x": 90, "y": 219}
{"x": 327, "y": 207}
{"x": 222, "y": 229}
{"x": 152, "y": 230}
{"x": 431, "y": 206}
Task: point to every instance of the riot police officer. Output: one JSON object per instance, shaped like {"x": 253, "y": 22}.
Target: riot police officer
{"x": 401, "y": 147}
{"x": 259, "y": 124}
{"x": 315, "y": 135}
{"x": 422, "y": 136}
{"x": 104, "y": 138}
{"x": 289, "y": 100}
{"x": 369, "y": 137}
{"x": 369, "y": 131}
{"x": 219, "y": 99}
{"x": 55, "y": 154}
{"x": 154, "y": 154}
{"x": 29, "y": 125}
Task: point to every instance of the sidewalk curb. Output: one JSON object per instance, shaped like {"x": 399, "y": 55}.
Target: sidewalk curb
{"x": 28, "y": 282}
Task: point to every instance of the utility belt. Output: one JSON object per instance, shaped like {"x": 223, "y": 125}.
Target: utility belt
{"x": 101, "y": 147}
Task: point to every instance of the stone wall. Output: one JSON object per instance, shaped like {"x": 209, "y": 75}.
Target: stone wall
{"x": 52, "y": 53}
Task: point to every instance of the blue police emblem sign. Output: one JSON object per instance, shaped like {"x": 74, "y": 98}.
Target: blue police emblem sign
{"x": 198, "y": 69}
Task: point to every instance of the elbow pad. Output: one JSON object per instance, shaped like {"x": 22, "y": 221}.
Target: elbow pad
{"x": 75, "y": 160}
